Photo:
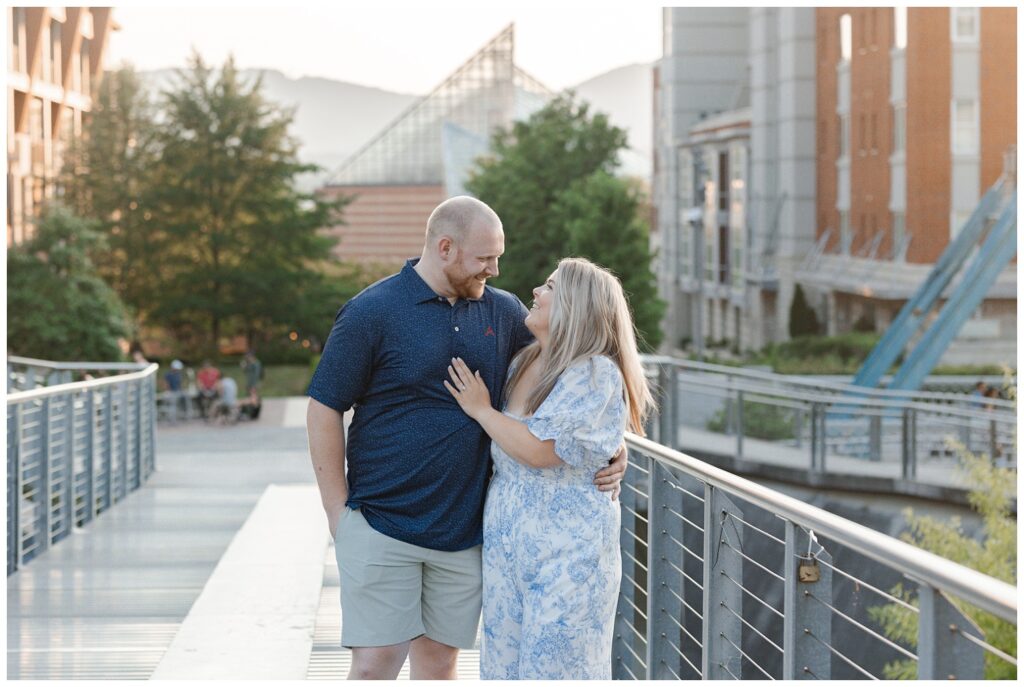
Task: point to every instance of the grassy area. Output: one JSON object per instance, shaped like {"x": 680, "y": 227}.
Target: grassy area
{"x": 279, "y": 380}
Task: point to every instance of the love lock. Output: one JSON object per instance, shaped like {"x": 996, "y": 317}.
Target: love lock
{"x": 808, "y": 571}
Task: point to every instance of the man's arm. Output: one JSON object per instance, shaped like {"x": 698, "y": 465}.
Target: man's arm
{"x": 325, "y": 428}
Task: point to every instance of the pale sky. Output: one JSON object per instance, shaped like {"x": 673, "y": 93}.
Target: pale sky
{"x": 397, "y": 47}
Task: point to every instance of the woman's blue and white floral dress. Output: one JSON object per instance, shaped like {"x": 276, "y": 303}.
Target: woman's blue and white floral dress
{"x": 551, "y": 565}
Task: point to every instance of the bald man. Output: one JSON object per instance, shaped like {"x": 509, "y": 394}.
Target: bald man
{"x": 406, "y": 517}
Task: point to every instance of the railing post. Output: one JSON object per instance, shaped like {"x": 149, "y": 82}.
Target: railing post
{"x": 69, "y": 475}
{"x": 138, "y": 432}
{"x": 822, "y": 437}
{"x": 993, "y": 446}
{"x": 123, "y": 446}
{"x": 665, "y": 405}
{"x": 625, "y": 638}
{"x": 942, "y": 653}
{"x": 663, "y": 663}
{"x": 152, "y": 425}
{"x": 722, "y": 629}
{"x": 802, "y": 657}
{"x": 875, "y": 437}
{"x": 815, "y": 429}
{"x": 739, "y": 424}
{"x": 45, "y": 456}
{"x": 90, "y": 455}
{"x": 15, "y": 470}
{"x": 909, "y": 435}
{"x": 108, "y": 430}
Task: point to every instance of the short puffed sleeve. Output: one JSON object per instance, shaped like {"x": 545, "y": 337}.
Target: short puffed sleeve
{"x": 585, "y": 413}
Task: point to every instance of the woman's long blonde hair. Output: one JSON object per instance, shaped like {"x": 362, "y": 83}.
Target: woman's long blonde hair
{"x": 589, "y": 316}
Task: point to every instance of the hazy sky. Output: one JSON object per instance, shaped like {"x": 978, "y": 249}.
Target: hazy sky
{"x": 401, "y": 47}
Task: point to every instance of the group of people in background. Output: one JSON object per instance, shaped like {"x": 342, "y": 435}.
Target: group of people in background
{"x": 213, "y": 394}
{"x": 982, "y": 393}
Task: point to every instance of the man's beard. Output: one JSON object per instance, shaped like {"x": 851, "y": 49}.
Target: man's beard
{"x": 464, "y": 285}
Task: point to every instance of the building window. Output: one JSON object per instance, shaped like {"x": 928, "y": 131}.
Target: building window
{"x": 685, "y": 244}
{"x": 965, "y": 127}
{"x": 844, "y": 135}
{"x": 846, "y": 37}
{"x": 685, "y": 179}
{"x": 17, "y": 40}
{"x": 899, "y": 232}
{"x": 845, "y": 236}
{"x": 959, "y": 219}
{"x": 900, "y": 27}
{"x": 85, "y": 85}
{"x": 723, "y": 181}
{"x": 899, "y": 128}
{"x": 965, "y": 24}
{"x": 55, "y": 75}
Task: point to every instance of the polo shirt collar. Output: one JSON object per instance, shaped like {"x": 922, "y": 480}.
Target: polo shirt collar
{"x": 419, "y": 290}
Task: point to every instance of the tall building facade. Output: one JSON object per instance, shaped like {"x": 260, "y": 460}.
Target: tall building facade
{"x": 424, "y": 156}
{"x": 734, "y": 185}
{"x": 916, "y": 118}
{"x": 54, "y": 61}
{"x": 854, "y": 145}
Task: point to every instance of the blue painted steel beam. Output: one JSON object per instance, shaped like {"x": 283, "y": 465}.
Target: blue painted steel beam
{"x": 909, "y": 319}
{"x": 998, "y": 249}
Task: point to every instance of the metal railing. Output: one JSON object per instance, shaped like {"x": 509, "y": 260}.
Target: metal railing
{"x": 811, "y": 422}
{"x": 73, "y": 449}
{"x": 725, "y": 579}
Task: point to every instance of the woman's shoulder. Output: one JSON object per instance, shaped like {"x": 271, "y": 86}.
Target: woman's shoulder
{"x": 596, "y": 367}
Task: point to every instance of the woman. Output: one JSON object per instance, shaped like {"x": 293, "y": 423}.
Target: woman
{"x": 551, "y": 564}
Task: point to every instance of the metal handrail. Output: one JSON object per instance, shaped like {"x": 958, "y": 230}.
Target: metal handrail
{"x": 985, "y": 592}
{"x": 797, "y": 380}
{"x": 864, "y": 404}
{"x": 58, "y": 389}
{"x": 74, "y": 450}
{"x": 56, "y": 365}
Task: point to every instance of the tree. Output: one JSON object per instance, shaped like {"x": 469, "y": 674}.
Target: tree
{"x": 992, "y": 495}
{"x": 58, "y": 308}
{"x": 243, "y": 244}
{"x": 107, "y": 177}
{"x": 803, "y": 321}
{"x": 601, "y": 217}
{"x": 547, "y": 174}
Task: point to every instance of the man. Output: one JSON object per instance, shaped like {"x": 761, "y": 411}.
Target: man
{"x": 253, "y": 369}
{"x": 407, "y": 517}
{"x": 175, "y": 394}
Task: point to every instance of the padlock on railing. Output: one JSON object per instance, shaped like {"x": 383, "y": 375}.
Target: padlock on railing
{"x": 808, "y": 570}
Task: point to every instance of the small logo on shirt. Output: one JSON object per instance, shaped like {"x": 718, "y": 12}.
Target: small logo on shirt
{"x": 489, "y": 332}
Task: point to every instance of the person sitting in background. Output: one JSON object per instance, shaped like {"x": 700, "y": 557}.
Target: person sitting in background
{"x": 225, "y": 407}
{"x": 249, "y": 408}
{"x": 207, "y": 379}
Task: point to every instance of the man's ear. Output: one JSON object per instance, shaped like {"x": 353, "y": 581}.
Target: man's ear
{"x": 445, "y": 247}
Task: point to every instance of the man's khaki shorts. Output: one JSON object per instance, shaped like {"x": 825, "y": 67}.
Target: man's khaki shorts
{"x": 392, "y": 591}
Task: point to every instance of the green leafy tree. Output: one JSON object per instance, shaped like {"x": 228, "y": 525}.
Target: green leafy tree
{"x": 58, "y": 308}
{"x": 993, "y": 495}
{"x": 602, "y": 222}
{"x": 244, "y": 248}
{"x": 107, "y": 177}
{"x": 549, "y": 178}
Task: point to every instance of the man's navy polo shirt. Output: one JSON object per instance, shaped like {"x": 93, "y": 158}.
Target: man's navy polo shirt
{"x": 418, "y": 466}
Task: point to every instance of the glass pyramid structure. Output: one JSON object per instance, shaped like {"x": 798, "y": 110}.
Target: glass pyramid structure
{"x": 436, "y": 140}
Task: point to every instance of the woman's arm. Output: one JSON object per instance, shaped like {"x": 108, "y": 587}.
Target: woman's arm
{"x": 510, "y": 434}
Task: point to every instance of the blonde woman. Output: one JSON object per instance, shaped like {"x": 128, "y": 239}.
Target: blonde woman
{"x": 551, "y": 564}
